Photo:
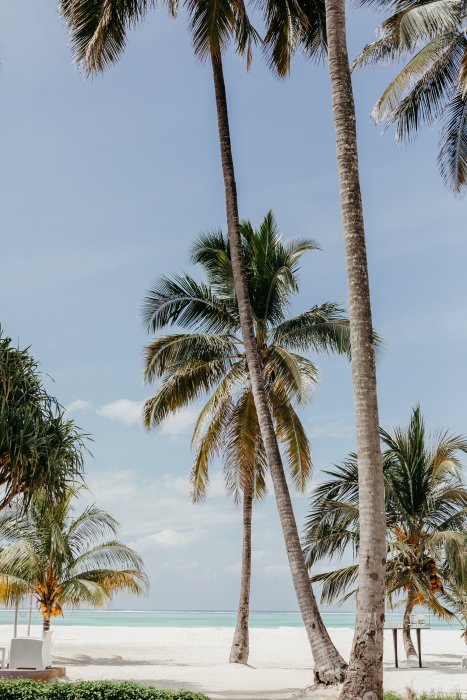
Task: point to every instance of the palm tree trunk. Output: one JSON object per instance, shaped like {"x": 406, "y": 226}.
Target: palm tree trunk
{"x": 30, "y": 615}
{"x": 240, "y": 645}
{"x": 45, "y": 624}
{"x": 15, "y": 626}
{"x": 329, "y": 665}
{"x": 408, "y": 643}
{"x": 365, "y": 674}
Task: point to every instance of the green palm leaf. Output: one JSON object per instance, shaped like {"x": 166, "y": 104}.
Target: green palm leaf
{"x": 322, "y": 328}
{"x": 452, "y": 157}
{"x": 335, "y": 584}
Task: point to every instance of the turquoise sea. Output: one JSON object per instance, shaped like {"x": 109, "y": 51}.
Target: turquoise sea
{"x": 193, "y": 618}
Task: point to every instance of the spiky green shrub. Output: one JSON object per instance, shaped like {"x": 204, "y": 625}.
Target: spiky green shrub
{"x": 89, "y": 690}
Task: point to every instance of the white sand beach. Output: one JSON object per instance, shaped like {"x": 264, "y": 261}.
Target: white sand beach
{"x": 196, "y": 659}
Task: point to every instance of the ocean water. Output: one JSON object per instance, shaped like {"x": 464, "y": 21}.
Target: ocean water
{"x": 195, "y": 618}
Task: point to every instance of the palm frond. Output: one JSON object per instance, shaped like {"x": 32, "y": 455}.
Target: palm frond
{"x": 183, "y": 301}
{"x": 290, "y": 25}
{"x": 171, "y": 352}
{"x": 322, "y": 328}
{"x": 433, "y": 55}
{"x": 427, "y": 99}
{"x": 288, "y": 374}
{"x": 452, "y": 158}
{"x": 90, "y": 526}
{"x": 212, "y": 26}
{"x": 292, "y": 436}
{"x": 244, "y": 454}
{"x": 414, "y": 23}
{"x": 335, "y": 584}
{"x": 98, "y": 28}
{"x": 210, "y": 442}
{"x": 112, "y": 555}
{"x": 181, "y": 388}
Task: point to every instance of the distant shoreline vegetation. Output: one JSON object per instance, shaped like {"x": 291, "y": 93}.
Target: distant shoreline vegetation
{"x": 196, "y": 618}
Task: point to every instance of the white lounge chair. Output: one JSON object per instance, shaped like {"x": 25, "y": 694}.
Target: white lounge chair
{"x": 31, "y": 652}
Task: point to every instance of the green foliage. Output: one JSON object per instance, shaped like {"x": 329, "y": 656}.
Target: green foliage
{"x": 89, "y": 690}
{"x": 424, "y": 696}
{"x": 209, "y": 360}
{"x": 40, "y": 448}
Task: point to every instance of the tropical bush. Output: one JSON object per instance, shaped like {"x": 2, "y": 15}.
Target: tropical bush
{"x": 410, "y": 695}
{"x": 41, "y": 449}
{"x": 89, "y": 690}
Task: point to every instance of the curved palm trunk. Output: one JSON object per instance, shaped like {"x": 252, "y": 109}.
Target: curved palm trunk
{"x": 408, "y": 643}
{"x": 329, "y": 665}
{"x": 240, "y": 645}
{"x": 46, "y": 624}
{"x": 365, "y": 674}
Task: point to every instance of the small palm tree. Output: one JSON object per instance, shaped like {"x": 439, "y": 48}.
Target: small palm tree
{"x": 426, "y": 515}
{"x": 210, "y": 359}
{"x": 432, "y": 86}
{"x": 40, "y": 448}
{"x": 64, "y": 559}
{"x": 454, "y": 575}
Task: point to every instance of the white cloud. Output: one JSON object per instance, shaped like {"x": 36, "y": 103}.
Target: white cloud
{"x": 332, "y": 430}
{"x": 179, "y": 424}
{"x": 234, "y": 568}
{"x": 128, "y": 412}
{"x": 146, "y": 505}
{"x": 122, "y": 410}
{"x": 168, "y": 539}
{"x": 78, "y": 405}
{"x": 277, "y": 570}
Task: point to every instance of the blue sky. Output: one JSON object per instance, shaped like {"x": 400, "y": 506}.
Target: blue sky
{"x": 104, "y": 185}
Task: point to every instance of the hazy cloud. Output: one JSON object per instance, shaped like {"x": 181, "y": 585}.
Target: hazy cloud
{"x": 122, "y": 410}
{"x": 78, "y": 405}
{"x": 179, "y": 424}
{"x": 168, "y": 539}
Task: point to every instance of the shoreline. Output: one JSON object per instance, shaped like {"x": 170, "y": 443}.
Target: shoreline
{"x": 197, "y": 659}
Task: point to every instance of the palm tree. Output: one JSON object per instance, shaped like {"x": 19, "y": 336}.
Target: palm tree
{"x": 426, "y": 516}
{"x": 64, "y": 559}
{"x": 98, "y": 37}
{"x": 454, "y": 576}
{"x": 210, "y": 359}
{"x": 316, "y": 26}
{"x": 432, "y": 86}
{"x": 40, "y": 448}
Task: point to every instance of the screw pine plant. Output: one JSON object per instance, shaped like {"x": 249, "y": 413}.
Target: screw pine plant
{"x": 40, "y": 447}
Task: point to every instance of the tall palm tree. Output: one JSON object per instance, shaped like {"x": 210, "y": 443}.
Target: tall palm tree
{"x": 426, "y": 516}
{"x": 210, "y": 359}
{"x": 432, "y": 86}
{"x": 316, "y": 26}
{"x": 65, "y": 559}
{"x": 40, "y": 448}
{"x": 98, "y": 36}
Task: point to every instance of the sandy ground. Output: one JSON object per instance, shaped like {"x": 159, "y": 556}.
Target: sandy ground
{"x": 280, "y": 660}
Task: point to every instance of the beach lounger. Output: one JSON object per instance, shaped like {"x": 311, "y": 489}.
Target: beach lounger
{"x": 31, "y": 652}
